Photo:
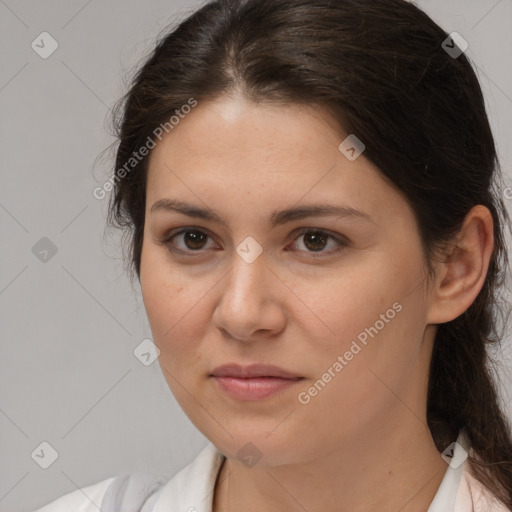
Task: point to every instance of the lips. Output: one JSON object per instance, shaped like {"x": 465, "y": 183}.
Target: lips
{"x": 252, "y": 371}
{"x": 253, "y": 382}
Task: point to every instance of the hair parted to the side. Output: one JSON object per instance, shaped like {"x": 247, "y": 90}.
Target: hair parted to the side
{"x": 379, "y": 68}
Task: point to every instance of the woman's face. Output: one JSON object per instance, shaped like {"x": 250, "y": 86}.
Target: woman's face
{"x": 344, "y": 311}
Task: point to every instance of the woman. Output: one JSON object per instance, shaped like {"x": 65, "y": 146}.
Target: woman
{"x": 310, "y": 191}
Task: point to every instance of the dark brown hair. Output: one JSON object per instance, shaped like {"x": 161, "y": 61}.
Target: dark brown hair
{"x": 380, "y": 68}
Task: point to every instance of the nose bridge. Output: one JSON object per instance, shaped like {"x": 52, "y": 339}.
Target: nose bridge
{"x": 245, "y": 295}
{"x": 248, "y": 270}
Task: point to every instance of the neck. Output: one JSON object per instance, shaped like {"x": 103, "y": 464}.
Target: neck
{"x": 388, "y": 469}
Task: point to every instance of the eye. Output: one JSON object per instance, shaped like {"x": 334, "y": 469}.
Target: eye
{"x": 193, "y": 241}
{"x": 315, "y": 240}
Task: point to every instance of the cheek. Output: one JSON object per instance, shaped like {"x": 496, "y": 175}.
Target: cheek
{"x": 372, "y": 315}
{"x": 164, "y": 300}
{"x": 175, "y": 329}
{"x": 348, "y": 300}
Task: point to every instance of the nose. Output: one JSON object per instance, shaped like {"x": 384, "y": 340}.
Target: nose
{"x": 250, "y": 304}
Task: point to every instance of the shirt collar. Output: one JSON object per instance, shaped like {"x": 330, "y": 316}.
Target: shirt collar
{"x": 455, "y": 455}
{"x": 191, "y": 490}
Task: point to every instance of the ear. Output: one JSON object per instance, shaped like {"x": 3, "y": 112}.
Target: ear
{"x": 461, "y": 273}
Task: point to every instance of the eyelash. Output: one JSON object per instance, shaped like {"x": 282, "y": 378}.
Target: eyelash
{"x": 342, "y": 243}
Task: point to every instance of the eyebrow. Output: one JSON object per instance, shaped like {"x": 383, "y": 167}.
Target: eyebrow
{"x": 277, "y": 218}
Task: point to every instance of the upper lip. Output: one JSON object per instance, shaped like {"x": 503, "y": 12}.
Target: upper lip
{"x": 252, "y": 370}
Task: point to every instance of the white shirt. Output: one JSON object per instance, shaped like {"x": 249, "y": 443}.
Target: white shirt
{"x": 191, "y": 490}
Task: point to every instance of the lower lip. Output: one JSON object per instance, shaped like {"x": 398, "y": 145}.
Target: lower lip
{"x": 256, "y": 388}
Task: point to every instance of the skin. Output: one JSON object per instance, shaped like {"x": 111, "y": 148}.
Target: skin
{"x": 362, "y": 443}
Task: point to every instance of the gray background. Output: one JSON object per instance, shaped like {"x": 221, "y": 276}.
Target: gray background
{"x": 69, "y": 325}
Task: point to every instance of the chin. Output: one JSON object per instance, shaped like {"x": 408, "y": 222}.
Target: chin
{"x": 258, "y": 449}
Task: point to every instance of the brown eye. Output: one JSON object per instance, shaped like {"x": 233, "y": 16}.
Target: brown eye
{"x": 186, "y": 241}
{"x": 190, "y": 241}
{"x": 194, "y": 239}
{"x": 315, "y": 240}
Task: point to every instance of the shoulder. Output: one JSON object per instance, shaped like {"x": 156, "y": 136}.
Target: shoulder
{"x": 86, "y": 499}
{"x": 130, "y": 492}
{"x": 475, "y": 497}
{"x": 145, "y": 492}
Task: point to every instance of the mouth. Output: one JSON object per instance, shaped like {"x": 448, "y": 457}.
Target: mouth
{"x": 253, "y": 382}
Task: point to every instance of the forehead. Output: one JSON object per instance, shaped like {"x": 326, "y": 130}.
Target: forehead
{"x": 229, "y": 149}
{"x": 232, "y": 126}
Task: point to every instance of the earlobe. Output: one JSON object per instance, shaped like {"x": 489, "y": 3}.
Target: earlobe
{"x": 462, "y": 272}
